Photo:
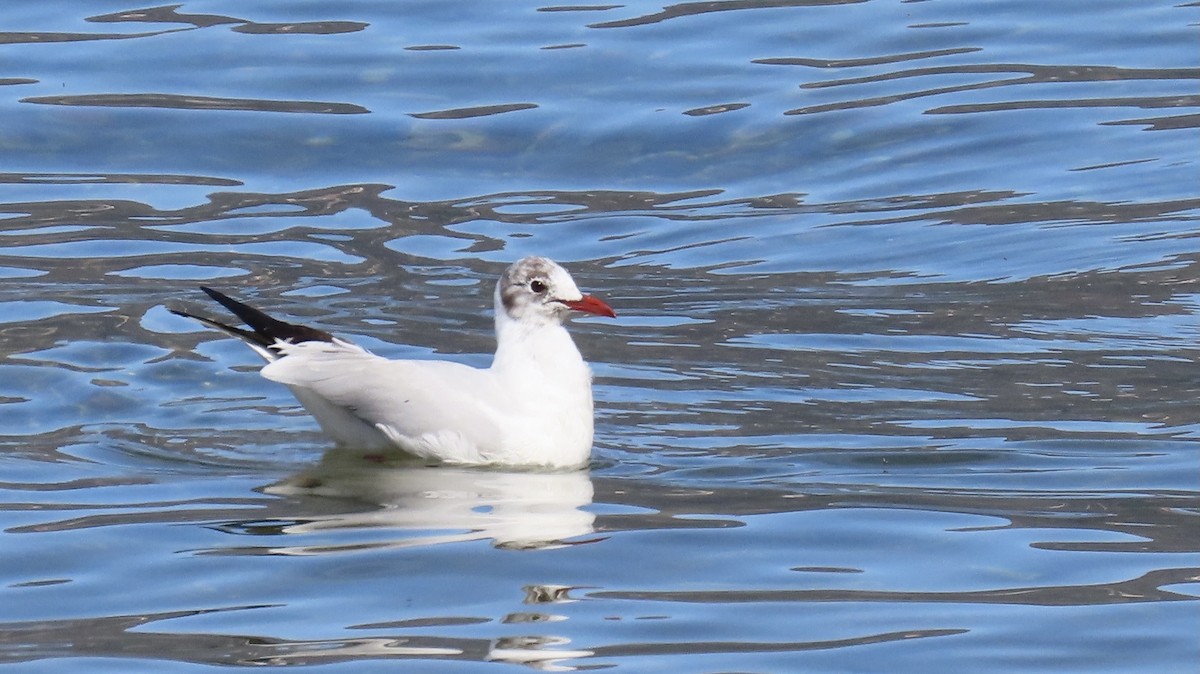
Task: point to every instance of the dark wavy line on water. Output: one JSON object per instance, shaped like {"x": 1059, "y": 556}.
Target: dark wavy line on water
{"x": 479, "y": 111}
{"x": 715, "y": 109}
{"x": 1032, "y": 72}
{"x": 695, "y": 8}
{"x": 1146, "y": 588}
{"x": 579, "y": 8}
{"x": 182, "y": 102}
{"x": 50, "y": 37}
{"x": 1022, "y": 74}
{"x": 1050, "y": 103}
{"x": 866, "y": 61}
{"x": 166, "y": 14}
{"x": 114, "y": 636}
{"x": 712, "y": 647}
{"x": 114, "y": 178}
{"x": 171, "y": 14}
{"x": 305, "y": 28}
{"x": 1169, "y": 123}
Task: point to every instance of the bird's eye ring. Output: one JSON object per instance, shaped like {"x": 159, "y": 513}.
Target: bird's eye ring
{"x": 537, "y": 286}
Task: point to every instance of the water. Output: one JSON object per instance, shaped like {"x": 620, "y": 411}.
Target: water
{"x": 903, "y": 378}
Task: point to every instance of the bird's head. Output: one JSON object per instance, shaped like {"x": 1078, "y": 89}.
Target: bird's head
{"x": 538, "y": 290}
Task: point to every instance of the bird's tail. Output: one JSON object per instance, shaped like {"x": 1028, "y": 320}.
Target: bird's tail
{"x": 265, "y": 333}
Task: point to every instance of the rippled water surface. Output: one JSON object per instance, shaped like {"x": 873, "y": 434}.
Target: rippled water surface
{"x": 904, "y": 377}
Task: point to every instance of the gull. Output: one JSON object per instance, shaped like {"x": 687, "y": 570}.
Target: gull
{"x": 532, "y": 407}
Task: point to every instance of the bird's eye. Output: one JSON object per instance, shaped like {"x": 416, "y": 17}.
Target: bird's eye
{"x": 537, "y": 286}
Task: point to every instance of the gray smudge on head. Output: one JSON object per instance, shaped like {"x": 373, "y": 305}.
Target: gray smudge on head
{"x": 514, "y": 284}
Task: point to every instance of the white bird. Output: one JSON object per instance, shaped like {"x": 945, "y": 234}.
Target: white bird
{"x": 532, "y": 407}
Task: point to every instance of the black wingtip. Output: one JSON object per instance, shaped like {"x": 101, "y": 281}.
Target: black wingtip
{"x": 243, "y": 311}
{"x": 251, "y": 337}
{"x": 266, "y": 330}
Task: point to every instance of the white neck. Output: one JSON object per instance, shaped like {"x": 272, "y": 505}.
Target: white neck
{"x": 545, "y": 379}
{"x": 540, "y": 350}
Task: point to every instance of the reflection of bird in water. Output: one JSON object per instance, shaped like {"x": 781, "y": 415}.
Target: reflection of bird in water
{"x": 532, "y": 407}
{"x": 515, "y": 509}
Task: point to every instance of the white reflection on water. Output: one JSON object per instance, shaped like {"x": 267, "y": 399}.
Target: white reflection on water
{"x": 434, "y": 505}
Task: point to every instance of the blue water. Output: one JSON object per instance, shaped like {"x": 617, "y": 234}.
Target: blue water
{"x": 903, "y": 379}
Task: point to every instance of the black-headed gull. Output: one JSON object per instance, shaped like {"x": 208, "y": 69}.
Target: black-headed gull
{"x": 532, "y": 407}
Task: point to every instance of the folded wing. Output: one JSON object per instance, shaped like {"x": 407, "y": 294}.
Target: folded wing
{"x": 434, "y": 409}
